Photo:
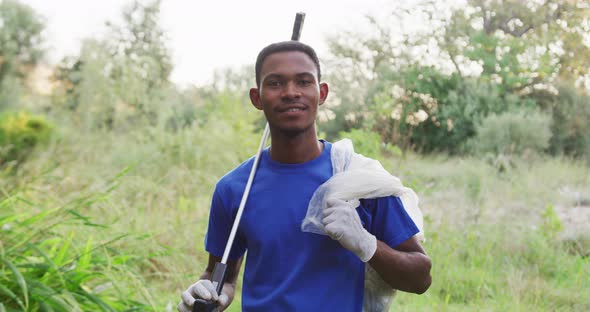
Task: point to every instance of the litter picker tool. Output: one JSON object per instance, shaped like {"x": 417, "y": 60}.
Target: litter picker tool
{"x": 219, "y": 271}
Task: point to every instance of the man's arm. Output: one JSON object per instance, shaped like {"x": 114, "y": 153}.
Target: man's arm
{"x": 231, "y": 277}
{"x": 405, "y": 267}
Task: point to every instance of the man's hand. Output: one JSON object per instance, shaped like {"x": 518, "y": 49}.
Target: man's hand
{"x": 203, "y": 289}
{"x": 342, "y": 223}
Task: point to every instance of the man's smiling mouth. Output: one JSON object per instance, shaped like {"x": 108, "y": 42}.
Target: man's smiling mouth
{"x": 291, "y": 108}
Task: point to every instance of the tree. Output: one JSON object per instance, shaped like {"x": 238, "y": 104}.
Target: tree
{"x": 520, "y": 44}
{"x": 475, "y": 58}
{"x": 123, "y": 76}
{"x": 20, "y": 45}
{"x": 141, "y": 41}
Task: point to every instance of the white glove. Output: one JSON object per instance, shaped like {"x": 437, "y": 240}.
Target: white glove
{"x": 202, "y": 289}
{"x": 342, "y": 223}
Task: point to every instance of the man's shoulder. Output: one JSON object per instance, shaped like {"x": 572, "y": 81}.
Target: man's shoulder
{"x": 236, "y": 177}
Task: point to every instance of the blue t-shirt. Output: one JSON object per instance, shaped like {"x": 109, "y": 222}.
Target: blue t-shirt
{"x": 287, "y": 269}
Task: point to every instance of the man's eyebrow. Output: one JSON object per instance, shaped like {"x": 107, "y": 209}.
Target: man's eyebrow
{"x": 306, "y": 74}
{"x": 272, "y": 75}
{"x": 278, "y": 75}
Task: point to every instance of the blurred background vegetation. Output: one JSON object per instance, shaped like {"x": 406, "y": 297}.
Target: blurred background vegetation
{"x": 107, "y": 167}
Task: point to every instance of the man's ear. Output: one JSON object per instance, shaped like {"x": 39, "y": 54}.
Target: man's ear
{"x": 255, "y": 98}
{"x": 324, "y": 90}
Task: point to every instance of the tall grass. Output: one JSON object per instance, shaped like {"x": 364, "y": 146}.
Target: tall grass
{"x": 501, "y": 268}
{"x": 51, "y": 259}
{"x": 494, "y": 237}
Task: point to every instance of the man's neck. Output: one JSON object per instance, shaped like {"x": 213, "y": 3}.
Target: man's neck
{"x": 295, "y": 149}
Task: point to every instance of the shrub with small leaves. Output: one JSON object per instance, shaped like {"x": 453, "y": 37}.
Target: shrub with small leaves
{"x": 19, "y": 134}
{"x": 513, "y": 133}
{"x": 570, "y": 128}
{"x": 369, "y": 144}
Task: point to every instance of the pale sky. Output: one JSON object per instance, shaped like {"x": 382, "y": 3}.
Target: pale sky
{"x": 205, "y": 35}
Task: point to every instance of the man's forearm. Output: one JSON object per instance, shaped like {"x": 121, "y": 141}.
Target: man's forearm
{"x": 404, "y": 270}
{"x": 231, "y": 278}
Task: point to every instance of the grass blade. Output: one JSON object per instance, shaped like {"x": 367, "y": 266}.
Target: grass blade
{"x": 99, "y": 302}
{"x": 19, "y": 279}
{"x": 49, "y": 296}
{"x": 86, "y": 256}
{"x": 13, "y": 296}
{"x": 61, "y": 254}
{"x": 39, "y": 216}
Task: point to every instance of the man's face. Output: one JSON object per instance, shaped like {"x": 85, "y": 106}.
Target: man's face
{"x": 289, "y": 92}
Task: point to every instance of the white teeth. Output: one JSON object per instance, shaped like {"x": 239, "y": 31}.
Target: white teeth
{"x": 294, "y": 109}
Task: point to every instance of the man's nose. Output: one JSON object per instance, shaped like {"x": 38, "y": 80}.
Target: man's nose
{"x": 291, "y": 91}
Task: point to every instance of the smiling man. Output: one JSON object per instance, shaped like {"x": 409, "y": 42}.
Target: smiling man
{"x": 287, "y": 269}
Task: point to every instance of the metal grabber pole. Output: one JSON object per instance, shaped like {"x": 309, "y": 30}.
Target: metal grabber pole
{"x": 218, "y": 276}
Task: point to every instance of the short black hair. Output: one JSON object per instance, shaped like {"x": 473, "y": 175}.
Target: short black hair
{"x": 285, "y": 46}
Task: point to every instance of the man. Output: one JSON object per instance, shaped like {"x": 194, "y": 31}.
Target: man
{"x": 287, "y": 269}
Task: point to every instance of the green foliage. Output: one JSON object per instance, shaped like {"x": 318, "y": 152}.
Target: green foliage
{"x": 369, "y": 144}
{"x": 454, "y": 108}
{"x": 493, "y": 253}
{"x": 168, "y": 193}
{"x": 472, "y": 60}
{"x": 122, "y": 80}
{"x": 423, "y": 109}
{"x": 458, "y": 105}
{"x": 551, "y": 224}
{"x": 479, "y": 268}
{"x": 223, "y": 125}
{"x": 400, "y": 110}
{"x": 142, "y": 44}
{"x": 20, "y": 38}
{"x": 514, "y": 133}
{"x": 515, "y": 42}
{"x": 20, "y": 48}
{"x": 19, "y": 134}
{"x": 571, "y": 129}
{"x": 50, "y": 260}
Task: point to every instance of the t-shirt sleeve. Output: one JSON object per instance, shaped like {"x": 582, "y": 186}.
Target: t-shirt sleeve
{"x": 220, "y": 224}
{"x": 390, "y": 221}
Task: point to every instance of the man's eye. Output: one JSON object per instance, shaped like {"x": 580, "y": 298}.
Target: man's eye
{"x": 304, "y": 82}
{"x": 273, "y": 83}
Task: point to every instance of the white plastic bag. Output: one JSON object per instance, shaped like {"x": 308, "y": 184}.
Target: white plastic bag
{"x": 356, "y": 177}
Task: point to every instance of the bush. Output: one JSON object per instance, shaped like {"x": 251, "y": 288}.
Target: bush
{"x": 513, "y": 133}
{"x": 460, "y": 110}
{"x": 571, "y": 129}
{"x": 19, "y": 134}
{"x": 369, "y": 144}
{"x": 423, "y": 109}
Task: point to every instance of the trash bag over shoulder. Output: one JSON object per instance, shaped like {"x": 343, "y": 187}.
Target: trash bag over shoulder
{"x": 354, "y": 177}
{"x": 358, "y": 177}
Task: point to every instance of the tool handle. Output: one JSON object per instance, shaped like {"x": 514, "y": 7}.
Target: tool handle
{"x": 202, "y": 305}
{"x": 299, "y": 18}
{"x": 218, "y": 279}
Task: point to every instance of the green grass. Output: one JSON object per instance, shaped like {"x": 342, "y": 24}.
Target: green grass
{"x": 494, "y": 237}
{"x": 501, "y": 268}
{"x": 488, "y": 233}
{"x": 51, "y": 259}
